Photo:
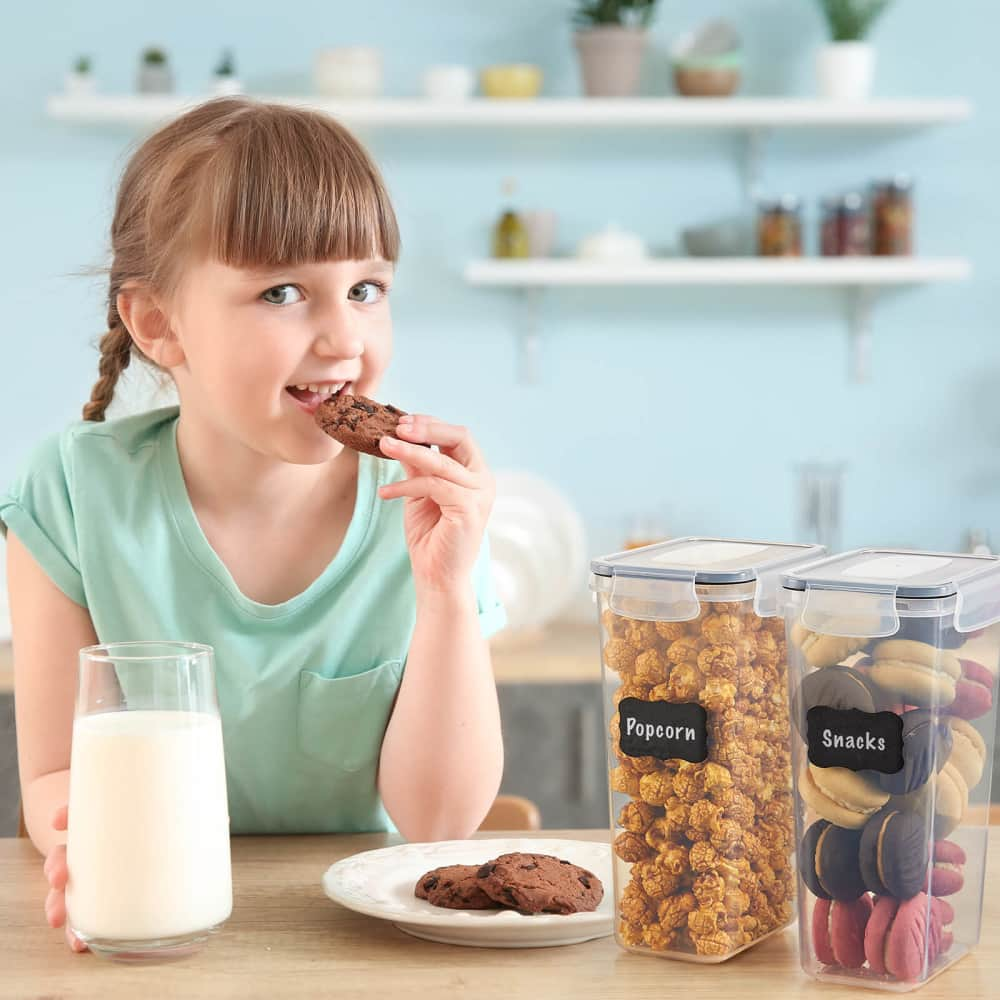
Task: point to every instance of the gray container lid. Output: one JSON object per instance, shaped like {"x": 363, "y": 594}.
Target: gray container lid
{"x": 658, "y": 581}
{"x": 856, "y": 593}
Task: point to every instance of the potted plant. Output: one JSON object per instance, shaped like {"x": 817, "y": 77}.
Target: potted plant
{"x": 846, "y": 66}
{"x": 225, "y": 82}
{"x": 80, "y": 80}
{"x": 610, "y": 38}
{"x": 154, "y": 73}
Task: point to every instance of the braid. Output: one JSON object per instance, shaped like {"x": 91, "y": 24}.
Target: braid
{"x": 116, "y": 353}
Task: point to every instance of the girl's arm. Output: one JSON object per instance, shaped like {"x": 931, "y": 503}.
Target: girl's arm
{"x": 442, "y": 756}
{"x": 49, "y": 630}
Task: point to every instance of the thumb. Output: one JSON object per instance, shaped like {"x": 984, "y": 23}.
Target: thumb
{"x": 60, "y": 821}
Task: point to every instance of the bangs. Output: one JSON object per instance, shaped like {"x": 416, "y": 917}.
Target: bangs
{"x": 289, "y": 187}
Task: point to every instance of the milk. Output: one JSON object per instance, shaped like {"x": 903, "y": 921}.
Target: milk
{"x": 148, "y": 842}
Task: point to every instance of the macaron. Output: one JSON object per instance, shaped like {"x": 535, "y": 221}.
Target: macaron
{"x": 946, "y": 876}
{"x": 829, "y": 862}
{"x": 834, "y": 687}
{"x": 825, "y": 650}
{"x": 846, "y": 798}
{"x": 916, "y": 672}
{"x": 894, "y": 853}
{"x": 904, "y": 938}
{"x": 927, "y": 744}
{"x": 838, "y": 931}
{"x": 949, "y": 794}
{"x": 968, "y": 752}
{"x": 973, "y": 692}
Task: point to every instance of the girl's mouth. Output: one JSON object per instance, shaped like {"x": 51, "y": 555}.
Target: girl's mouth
{"x": 308, "y": 397}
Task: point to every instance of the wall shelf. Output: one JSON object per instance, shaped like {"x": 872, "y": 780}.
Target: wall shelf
{"x": 861, "y": 279}
{"x": 749, "y": 114}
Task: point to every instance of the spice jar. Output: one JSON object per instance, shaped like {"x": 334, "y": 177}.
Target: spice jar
{"x": 892, "y": 217}
{"x": 779, "y": 227}
{"x": 845, "y": 230}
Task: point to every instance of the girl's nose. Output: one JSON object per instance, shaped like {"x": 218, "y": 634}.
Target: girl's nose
{"x": 339, "y": 338}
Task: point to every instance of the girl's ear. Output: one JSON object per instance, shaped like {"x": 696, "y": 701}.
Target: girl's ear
{"x": 150, "y": 329}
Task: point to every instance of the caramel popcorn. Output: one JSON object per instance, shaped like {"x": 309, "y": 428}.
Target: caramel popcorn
{"x": 710, "y": 844}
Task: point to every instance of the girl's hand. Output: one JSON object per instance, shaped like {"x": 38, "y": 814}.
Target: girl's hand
{"x": 449, "y": 494}
{"x": 58, "y": 875}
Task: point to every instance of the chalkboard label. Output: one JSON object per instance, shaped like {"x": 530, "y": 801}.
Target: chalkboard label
{"x": 663, "y": 729}
{"x": 859, "y": 741}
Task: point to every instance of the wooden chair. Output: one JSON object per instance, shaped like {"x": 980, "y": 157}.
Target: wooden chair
{"x": 512, "y": 812}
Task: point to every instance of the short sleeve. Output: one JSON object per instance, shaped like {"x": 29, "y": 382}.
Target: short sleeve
{"x": 38, "y": 508}
{"x": 492, "y": 614}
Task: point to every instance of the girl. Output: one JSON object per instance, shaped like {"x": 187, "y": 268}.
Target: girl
{"x": 253, "y": 246}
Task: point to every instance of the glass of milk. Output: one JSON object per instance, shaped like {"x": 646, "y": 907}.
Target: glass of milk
{"x": 148, "y": 840}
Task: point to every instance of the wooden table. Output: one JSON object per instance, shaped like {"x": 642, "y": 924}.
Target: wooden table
{"x": 286, "y": 939}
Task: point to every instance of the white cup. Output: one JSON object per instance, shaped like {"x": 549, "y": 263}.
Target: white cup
{"x": 541, "y": 226}
{"x": 448, "y": 83}
{"x": 348, "y": 72}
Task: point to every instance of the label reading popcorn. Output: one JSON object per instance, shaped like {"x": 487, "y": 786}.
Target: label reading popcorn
{"x": 663, "y": 729}
{"x": 859, "y": 741}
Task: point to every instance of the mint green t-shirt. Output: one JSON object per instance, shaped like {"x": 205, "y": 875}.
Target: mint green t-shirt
{"x": 305, "y": 687}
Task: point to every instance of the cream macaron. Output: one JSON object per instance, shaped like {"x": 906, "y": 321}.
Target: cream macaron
{"x": 915, "y": 673}
{"x": 843, "y": 797}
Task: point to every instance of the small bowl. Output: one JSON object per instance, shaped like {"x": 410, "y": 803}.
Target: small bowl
{"x": 724, "y": 238}
{"x": 706, "y": 81}
{"x": 518, "y": 80}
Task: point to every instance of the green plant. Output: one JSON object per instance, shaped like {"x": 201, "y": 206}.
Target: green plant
{"x": 851, "y": 20}
{"x": 154, "y": 57}
{"x": 226, "y": 66}
{"x": 82, "y": 65}
{"x": 627, "y": 13}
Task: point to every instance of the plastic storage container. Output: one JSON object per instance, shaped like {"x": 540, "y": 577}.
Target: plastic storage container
{"x": 696, "y": 706}
{"x": 893, "y": 663}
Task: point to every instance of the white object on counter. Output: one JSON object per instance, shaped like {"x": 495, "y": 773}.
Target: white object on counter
{"x": 612, "y": 244}
{"x": 845, "y": 71}
{"x": 448, "y": 83}
{"x": 351, "y": 71}
{"x": 541, "y": 226}
{"x": 538, "y": 549}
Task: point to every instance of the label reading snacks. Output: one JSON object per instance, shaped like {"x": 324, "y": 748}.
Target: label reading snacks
{"x": 664, "y": 730}
{"x": 859, "y": 741}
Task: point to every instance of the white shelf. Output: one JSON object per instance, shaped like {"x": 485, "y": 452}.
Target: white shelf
{"x": 861, "y": 278}
{"x": 848, "y": 272}
{"x": 647, "y": 112}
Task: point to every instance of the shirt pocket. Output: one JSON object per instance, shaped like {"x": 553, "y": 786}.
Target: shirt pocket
{"x": 342, "y": 720}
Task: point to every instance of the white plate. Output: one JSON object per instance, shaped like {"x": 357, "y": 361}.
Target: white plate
{"x": 380, "y": 884}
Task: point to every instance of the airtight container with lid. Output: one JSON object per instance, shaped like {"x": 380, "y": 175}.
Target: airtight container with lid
{"x": 893, "y": 662}
{"x": 696, "y": 706}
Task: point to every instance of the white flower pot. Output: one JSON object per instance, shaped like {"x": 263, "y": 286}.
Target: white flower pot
{"x": 845, "y": 70}
{"x": 226, "y": 86}
{"x": 80, "y": 84}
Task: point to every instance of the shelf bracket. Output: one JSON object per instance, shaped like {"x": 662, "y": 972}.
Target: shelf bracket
{"x": 529, "y": 363}
{"x": 861, "y": 301}
{"x": 754, "y": 141}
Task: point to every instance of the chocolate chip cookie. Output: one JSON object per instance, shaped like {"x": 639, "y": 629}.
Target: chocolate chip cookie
{"x": 454, "y": 887}
{"x": 358, "y": 422}
{"x": 540, "y": 883}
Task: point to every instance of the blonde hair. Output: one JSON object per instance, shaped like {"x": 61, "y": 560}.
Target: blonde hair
{"x": 249, "y": 183}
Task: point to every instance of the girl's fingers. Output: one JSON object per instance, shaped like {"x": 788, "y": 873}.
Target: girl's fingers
{"x": 74, "y": 942}
{"x": 441, "y": 491}
{"x": 61, "y": 819}
{"x": 454, "y": 440}
{"x": 416, "y": 458}
{"x": 56, "y": 870}
{"x": 55, "y": 908}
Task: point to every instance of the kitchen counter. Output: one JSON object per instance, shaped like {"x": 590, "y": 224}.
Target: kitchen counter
{"x": 286, "y": 939}
{"x": 562, "y": 653}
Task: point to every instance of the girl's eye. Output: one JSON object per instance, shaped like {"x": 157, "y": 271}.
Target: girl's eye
{"x": 367, "y": 292}
{"x": 277, "y": 295}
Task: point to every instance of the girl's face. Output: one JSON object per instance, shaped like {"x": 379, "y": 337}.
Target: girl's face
{"x": 263, "y": 348}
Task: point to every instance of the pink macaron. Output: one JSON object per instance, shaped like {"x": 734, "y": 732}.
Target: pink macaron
{"x": 838, "y": 931}
{"x": 973, "y": 692}
{"x": 945, "y": 877}
{"x": 901, "y": 937}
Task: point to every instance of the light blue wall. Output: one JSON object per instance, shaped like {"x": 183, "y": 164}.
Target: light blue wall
{"x": 696, "y": 402}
